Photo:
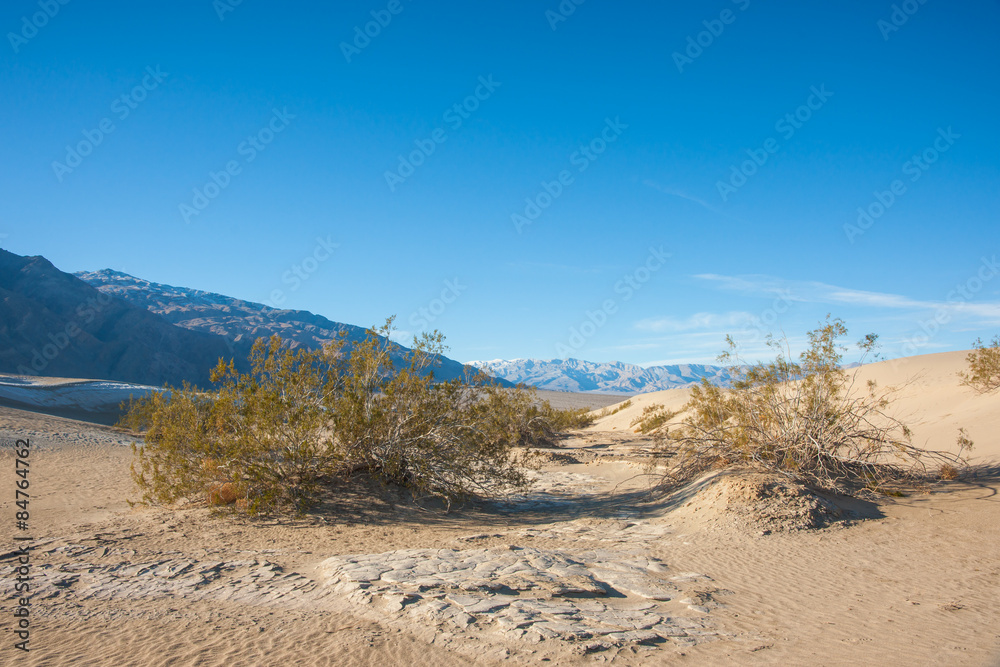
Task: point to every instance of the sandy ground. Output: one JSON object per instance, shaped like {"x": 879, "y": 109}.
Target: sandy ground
{"x": 566, "y": 400}
{"x": 904, "y": 581}
{"x": 96, "y": 401}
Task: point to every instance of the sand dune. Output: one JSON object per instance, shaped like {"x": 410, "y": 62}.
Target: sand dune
{"x": 586, "y": 567}
{"x": 931, "y": 400}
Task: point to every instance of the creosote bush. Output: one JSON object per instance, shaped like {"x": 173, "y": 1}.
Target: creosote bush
{"x": 808, "y": 420}
{"x": 984, "y": 366}
{"x": 653, "y": 417}
{"x": 566, "y": 420}
{"x": 299, "y": 420}
{"x": 606, "y": 412}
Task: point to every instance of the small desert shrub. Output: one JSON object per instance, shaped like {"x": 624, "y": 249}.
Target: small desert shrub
{"x": 298, "y": 419}
{"x": 806, "y": 420}
{"x": 653, "y": 417}
{"x": 567, "y": 420}
{"x": 618, "y": 408}
{"x": 175, "y": 461}
{"x": 963, "y": 443}
{"x": 534, "y": 423}
{"x": 984, "y": 366}
{"x": 948, "y": 472}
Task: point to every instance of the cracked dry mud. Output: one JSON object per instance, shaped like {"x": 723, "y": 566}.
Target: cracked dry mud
{"x": 529, "y": 594}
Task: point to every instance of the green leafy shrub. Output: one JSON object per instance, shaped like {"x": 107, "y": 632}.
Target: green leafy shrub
{"x": 174, "y": 461}
{"x": 299, "y": 419}
{"x": 618, "y": 408}
{"x": 984, "y": 366}
{"x": 262, "y": 431}
{"x": 622, "y": 406}
{"x": 446, "y": 439}
{"x": 653, "y": 417}
{"x": 567, "y": 420}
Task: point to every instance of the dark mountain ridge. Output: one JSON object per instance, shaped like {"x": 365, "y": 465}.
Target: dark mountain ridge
{"x": 54, "y": 324}
{"x": 240, "y": 322}
{"x": 107, "y": 325}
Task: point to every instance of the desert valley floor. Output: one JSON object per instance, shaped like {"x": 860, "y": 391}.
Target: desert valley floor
{"x": 588, "y": 567}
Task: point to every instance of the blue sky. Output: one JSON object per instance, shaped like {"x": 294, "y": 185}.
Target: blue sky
{"x": 629, "y": 181}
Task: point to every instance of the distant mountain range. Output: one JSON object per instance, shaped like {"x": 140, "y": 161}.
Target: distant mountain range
{"x": 239, "y": 323}
{"x": 54, "y": 324}
{"x": 109, "y": 325}
{"x": 605, "y": 378}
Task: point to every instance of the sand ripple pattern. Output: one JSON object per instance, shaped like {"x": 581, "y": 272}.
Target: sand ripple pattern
{"x": 251, "y": 581}
{"x": 602, "y": 597}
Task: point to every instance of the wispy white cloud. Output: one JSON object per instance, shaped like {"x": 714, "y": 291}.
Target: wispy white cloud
{"x": 823, "y": 293}
{"x": 696, "y": 347}
{"x": 755, "y": 284}
{"x": 694, "y": 322}
{"x": 683, "y": 194}
{"x": 699, "y": 337}
{"x": 677, "y": 192}
{"x": 872, "y": 299}
{"x": 703, "y": 348}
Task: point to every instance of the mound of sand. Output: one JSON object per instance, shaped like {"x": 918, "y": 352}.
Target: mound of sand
{"x": 672, "y": 399}
{"x": 755, "y": 502}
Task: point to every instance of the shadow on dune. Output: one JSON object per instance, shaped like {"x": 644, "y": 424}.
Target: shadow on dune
{"x": 983, "y": 474}
{"x": 367, "y": 502}
{"x": 370, "y": 503}
{"x": 980, "y": 480}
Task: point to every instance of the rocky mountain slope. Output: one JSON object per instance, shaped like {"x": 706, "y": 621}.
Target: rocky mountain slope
{"x": 54, "y": 324}
{"x": 235, "y": 321}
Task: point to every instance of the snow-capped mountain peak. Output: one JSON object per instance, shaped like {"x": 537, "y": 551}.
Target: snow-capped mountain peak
{"x": 612, "y": 377}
